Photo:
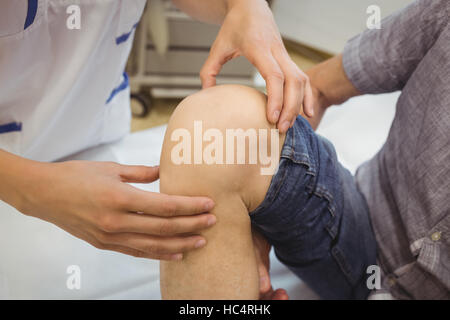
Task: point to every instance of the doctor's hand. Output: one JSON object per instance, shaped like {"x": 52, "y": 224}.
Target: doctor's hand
{"x": 249, "y": 29}
{"x": 262, "y": 250}
{"x": 92, "y": 201}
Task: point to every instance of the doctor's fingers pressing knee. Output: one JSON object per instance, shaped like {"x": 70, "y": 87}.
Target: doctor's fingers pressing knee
{"x": 122, "y": 222}
{"x": 127, "y": 198}
{"x": 133, "y": 252}
{"x": 297, "y": 91}
{"x": 92, "y": 237}
{"x": 171, "y": 248}
{"x": 142, "y": 254}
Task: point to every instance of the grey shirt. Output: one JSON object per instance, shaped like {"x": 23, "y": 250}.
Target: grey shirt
{"x": 407, "y": 183}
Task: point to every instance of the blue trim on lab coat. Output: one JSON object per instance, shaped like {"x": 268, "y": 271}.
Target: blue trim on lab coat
{"x": 10, "y": 127}
{"x": 125, "y": 36}
{"x": 31, "y": 14}
{"x": 125, "y": 83}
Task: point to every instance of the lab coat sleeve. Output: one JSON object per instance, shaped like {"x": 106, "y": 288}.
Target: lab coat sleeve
{"x": 382, "y": 60}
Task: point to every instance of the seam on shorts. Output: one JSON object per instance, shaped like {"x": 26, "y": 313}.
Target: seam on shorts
{"x": 340, "y": 259}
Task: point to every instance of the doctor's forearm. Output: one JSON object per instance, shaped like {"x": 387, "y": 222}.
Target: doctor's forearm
{"x": 15, "y": 173}
{"x": 209, "y": 11}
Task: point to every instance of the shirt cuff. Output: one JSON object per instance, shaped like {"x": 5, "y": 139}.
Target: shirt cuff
{"x": 356, "y": 69}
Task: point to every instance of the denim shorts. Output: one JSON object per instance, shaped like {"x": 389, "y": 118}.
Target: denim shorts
{"x": 316, "y": 219}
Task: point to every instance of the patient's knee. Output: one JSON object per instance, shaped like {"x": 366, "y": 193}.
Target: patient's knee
{"x": 222, "y": 133}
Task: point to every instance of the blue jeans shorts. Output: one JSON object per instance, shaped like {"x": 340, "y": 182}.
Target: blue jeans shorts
{"x": 316, "y": 219}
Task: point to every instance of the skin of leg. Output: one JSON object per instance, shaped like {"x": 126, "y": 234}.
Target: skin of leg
{"x": 226, "y": 267}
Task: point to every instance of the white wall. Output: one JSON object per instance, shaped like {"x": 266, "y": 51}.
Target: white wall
{"x": 327, "y": 24}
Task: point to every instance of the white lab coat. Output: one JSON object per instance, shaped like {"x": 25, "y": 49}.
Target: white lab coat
{"x": 63, "y": 90}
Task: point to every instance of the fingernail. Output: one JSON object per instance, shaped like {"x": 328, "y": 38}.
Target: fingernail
{"x": 177, "y": 256}
{"x": 200, "y": 243}
{"x": 211, "y": 220}
{"x": 209, "y": 205}
{"x": 276, "y": 115}
{"x": 284, "y": 126}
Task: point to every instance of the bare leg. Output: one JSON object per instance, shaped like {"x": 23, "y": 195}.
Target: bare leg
{"x": 226, "y": 267}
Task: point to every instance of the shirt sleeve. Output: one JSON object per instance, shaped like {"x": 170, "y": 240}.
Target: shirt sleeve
{"x": 382, "y": 60}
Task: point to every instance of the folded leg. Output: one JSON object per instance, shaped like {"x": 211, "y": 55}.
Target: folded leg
{"x": 310, "y": 209}
{"x": 226, "y": 267}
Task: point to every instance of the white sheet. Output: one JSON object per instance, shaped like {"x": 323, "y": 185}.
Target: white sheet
{"x": 35, "y": 255}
